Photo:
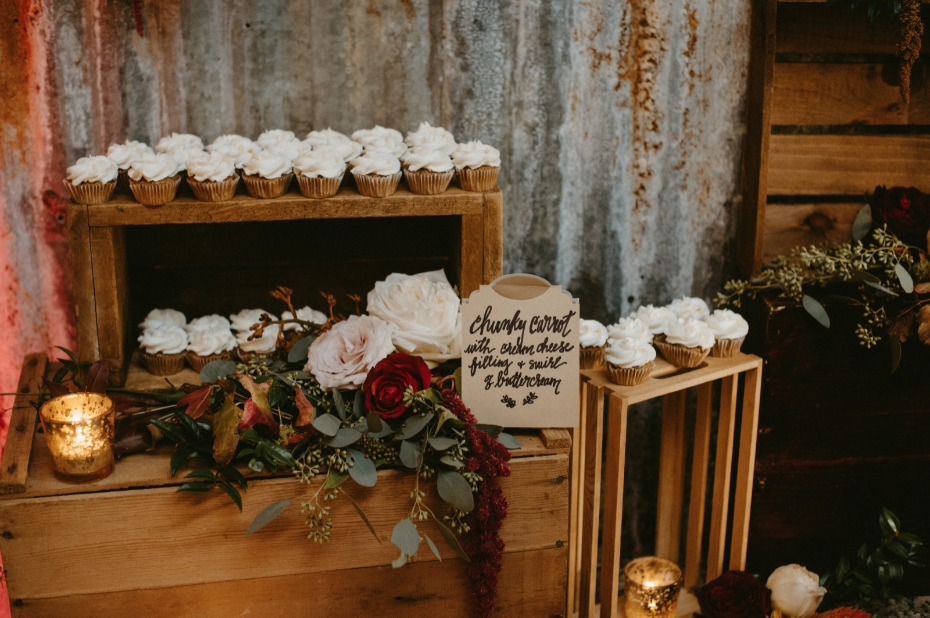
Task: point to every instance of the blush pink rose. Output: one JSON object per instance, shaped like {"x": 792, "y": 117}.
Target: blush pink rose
{"x": 343, "y": 356}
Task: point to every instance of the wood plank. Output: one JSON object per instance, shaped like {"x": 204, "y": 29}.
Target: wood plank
{"x": 347, "y": 204}
{"x": 846, "y": 164}
{"x": 554, "y": 439}
{"x": 471, "y": 249}
{"x": 531, "y": 583}
{"x": 795, "y": 225}
{"x": 493, "y": 236}
{"x": 726, "y": 421}
{"x": 815, "y": 93}
{"x": 17, "y": 453}
{"x": 700, "y": 460}
{"x": 577, "y": 478}
{"x": 590, "y": 515}
{"x": 617, "y": 413}
{"x": 745, "y": 467}
{"x": 818, "y": 28}
{"x": 754, "y": 176}
{"x": 182, "y": 539}
{"x": 108, "y": 256}
{"x": 82, "y": 281}
{"x": 671, "y": 476}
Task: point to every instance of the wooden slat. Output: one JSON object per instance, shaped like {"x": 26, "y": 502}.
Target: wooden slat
{"x": 846, "y": 164}
{"x": 617, "y": 412}
{"x": 17, "y": 453}
{"x": 82, "y": 282}
{"x": 493, "y": 236}
{"x": 722, "y": 470}
{"x": 530, "y": 584}
{"x": 742, "y": 502}
{"x": 700, "y": 460}
{"x": 108, "y": 256}
{"x": 818, "y": 28}
{"x": 593, "y": 440}
{"x": 576, "y": 497}
{"x": 671, "y": 476}
{"x": 555, "y": 439}
{"x": 813, "y": 93}
{"x": 794, "y": 225}
{"x": 471, "y": 261}
{"x": 347, "y": 204}
{"x": 182, "y": 539}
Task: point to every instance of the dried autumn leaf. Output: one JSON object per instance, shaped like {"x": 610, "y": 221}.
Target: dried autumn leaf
{"x": 922, "y": 288}
{"x": 97, "y": 378}
{"x": 903, "y": 326}
{"x": 257, "y": 409}
{"x": 923, "y": 325}
{"x": 196, "y": 402}
{"x": 304, "y": 408}
{"x": 225, "y": 432}
{"x": 253, "y": 415}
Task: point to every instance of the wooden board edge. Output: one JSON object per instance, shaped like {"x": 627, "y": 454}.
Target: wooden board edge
{"x": 14, "y": 468}
{"x": 556, "y": 439}
{"x": 82, "y": 281}
{"x": 493, "y": 236}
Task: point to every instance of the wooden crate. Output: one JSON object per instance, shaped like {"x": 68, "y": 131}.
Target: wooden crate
{"x": 130, "y": 544}
{"x": 826, "y": 124}
{"x": 222, "y": 257}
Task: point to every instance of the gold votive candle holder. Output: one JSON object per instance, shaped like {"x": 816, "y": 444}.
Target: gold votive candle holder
{"x": 651, "y": 587}
{"x": 79, "y": 431}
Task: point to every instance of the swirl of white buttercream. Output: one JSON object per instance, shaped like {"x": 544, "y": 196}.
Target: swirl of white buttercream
{"x": 275, "y": 136}
{"x": 92, "y": 169}
{"x": 208, "y": 322}
{"x": 154, "y": 168}
{"x": 163, "y": 317}
{"x": 690, "y": 333}
{"x": 260, "y": 345}
{"x": 207, "y": 342}
{"x": 243, "y": 321}
{"x": 236, "y": 148}
{"x": 435, "y": 138}
{"x": 689, "y": 307}
{"x": 177, "y": 141}
{"x": 426, "y": 159}
{"x": 123, "y": 154}
{"x": 267, "y": 165}
{"x": 306, "y": 314}
{"x": 629, "y": 352}
{"x": 210, "y": 166}
{"x": 591, "y": 334}
{"x": 475, "y": 154}
{"x": 656, "y": 319}
{"x": 325, "y": 163}
{"x": 163, "y": 340}
{"x": 629, "y": 328}
{"x": 726, "y": 324}
{"x": 379, "y": 163}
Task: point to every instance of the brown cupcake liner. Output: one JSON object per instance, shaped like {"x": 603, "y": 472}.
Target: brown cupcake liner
{"x": 122, "y": 183}
{"x": 375, "y": 185}
{"x": 319, "y": 187}
{"x": 214, "y": 190}
{"x": 592, "y": 357}
{"x": 197, "y": 362}
{"x": 725, "y": 348}
{"x": 479, "y": 179}
{"x": 426, "y": 182}
{"x": 245, "y": 356}
{"x": 163, "y": 364}
{"x": 266, "y": 188}
{"x": 629, "y": 376}
{"x": 155, "y": 193}
{"x": 679, "y": 355}
{"x": 91, "y": 192}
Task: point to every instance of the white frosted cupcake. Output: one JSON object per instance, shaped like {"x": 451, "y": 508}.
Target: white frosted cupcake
{"x": 376, "y": 174}
{"x": 212, "y": 177}
{"x": 591, "y": 337}
{"x": 275, "y": 136}
{"x": 247, "y": 318}
{"x": 91, "y": 180}
{"x": 478, "y": 166}
{"x": 306, "y": 314}
{"x": 163, "y": 349}
{"x": 267, "y": 175}
{"x": 381, "y": 139}
{"x": 656, "y": 319}
{"x": 236, "y": 148}
{"x": 427, "y": 171}
{"x": 327, "y": 139}
{"x": 689, "y": 308}
{"x": 179, "y": 141}
{"x": 250, "y": 347}
{"x": 686, "y": 343}
{"x": 629, "y": 361}
{"x": 161, "y": 318}
{"x": 431, "y": 138}
{"x": 154, "y": 180}
{"x": 729, "y": 329}
{"x": 319, "y": 173}
{"x": 291, "y": 149}
{"x": 209, "y": 344}
{"x": 208, "y": 322}
{"x": 122, "y": 156}
{"x": 629, "y": 327}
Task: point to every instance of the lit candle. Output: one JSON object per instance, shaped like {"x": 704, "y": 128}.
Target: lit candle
{"x": 79, "y": 430}
{"x": 651, "y": 587}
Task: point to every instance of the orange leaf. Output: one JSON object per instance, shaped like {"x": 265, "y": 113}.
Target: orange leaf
{"x": 305, "y": 408}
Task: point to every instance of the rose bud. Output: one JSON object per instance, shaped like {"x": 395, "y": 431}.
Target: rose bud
{"x": 796, "y": 592}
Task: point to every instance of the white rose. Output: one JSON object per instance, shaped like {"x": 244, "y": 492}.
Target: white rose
{"x": 343, "y": 356}
{"x": 796, "y": 592}
{"x": 424, "y": 311}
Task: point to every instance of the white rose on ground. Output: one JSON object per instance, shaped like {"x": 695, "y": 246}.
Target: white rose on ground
{"x": 796, "y": 592}
{"x": 343, "y": 356}
{"x": 424, "y": 311}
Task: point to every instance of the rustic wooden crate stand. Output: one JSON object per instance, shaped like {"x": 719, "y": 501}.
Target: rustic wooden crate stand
{"x": 672, "y": 386}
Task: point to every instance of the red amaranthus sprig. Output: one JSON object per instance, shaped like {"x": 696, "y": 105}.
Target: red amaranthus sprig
{"x": 483, "y": 542}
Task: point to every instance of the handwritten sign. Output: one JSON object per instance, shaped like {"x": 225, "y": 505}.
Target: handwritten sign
{"x": 520, "y": 353}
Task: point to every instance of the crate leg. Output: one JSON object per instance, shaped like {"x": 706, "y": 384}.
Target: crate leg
{"x": 575, "y": 503}
{"x": 617, "y": 409}
{"x": 722, "y": 471}
{"x": 699, "y": 462}
{"x": 594, "y": 430}
{"x": 671, "y": 476}
{"x": 749, "y": 427}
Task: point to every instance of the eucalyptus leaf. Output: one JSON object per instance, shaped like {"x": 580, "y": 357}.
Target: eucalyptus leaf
{"x": 492, "y": 430}
{"x": 327, "y": 424}
{"x": 406, "y": 537}
{"x": 414, "y": 425}
{"x": 432, "y": 546}
{"x": 298, "y": 351}
{"x": 375, "y": 425}
{"x": 904, "y": 278}
{"x": 344, "y": 437}
{"x": 362, "y": 470}
{"x": 358, "y": 405}
{"x": 334, "y": 479}
{"x": 881, "y": 288}
{"x": 216, "y": 370}
{"x": 865, "y": 276}
{"x": 441, "y": 443}
{"x": 452, "y": 539}
{"x": 862, "y": 223}
{"x": 452, "y": 462}
{"x": 339, "y": 403}
{"x": 816, "y": 310}
{"x": 410, "y": 454}
{"x": 385, "y": 431}
{"x": 267, "y": 515}
{"x": 361, "y": 513}
{"x": 509, "y": 441}
{"x": 455, "y": 490}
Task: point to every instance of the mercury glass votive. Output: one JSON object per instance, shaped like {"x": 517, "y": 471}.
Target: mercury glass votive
{"x": 79, "y": 430}
{"x": 651, "y": 587}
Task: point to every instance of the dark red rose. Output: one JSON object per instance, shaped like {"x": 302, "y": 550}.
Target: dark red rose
{"x": 906, "y": 212}
{"x": 386, "y": 384}
{"x": 735, "y": 594}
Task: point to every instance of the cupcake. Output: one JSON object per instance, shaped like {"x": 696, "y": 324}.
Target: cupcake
{"x": 91, "y": 180}
{"x": 656, "y": 319}
{"x": 158, "y": 318}
{"x": 208, "y": 322}
{"x": 154, "y": 180}
{"x": 376, "y": 174}
{"x": 209, "y": 344}
{"x": 428, "y": 172}
{"x": 267, "y": 175}
{"x": 591, "y": 336}
{"x": 478, "y": 166}
{"x": 183, "y": 157}
{"x": 179, "y": 141}
{"x": 123, "y": 155}
{"x": 431, "y": 138}
{"x": 163, "y": 349}
{"x": 327, "y": 139}
{"x": 685, "y": 308}
{"x": 247, "y": 318}
{"x": 275, "y": 136}
{"x": 291, "y": 150}
{"x": 729, "y": 329}
{"x": 212, "y": 177}
{"x": 629, "y": 361}
{"x": 250, "y": 347}
{"x": 236, "y": 148}
{"x": 306, "y": 314}
{"x": 382, "y": 140}
{"x": 629, "y": 327}
{"x": 686, "y": 343}
{"x": 319, "y": 173}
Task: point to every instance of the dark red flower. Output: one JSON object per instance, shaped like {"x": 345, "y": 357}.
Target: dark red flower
{"x": 735, "y": 594}
{"x": 906, "y": 212}
{"x": 844, "y": 612}
{"x": 386, "y": 384}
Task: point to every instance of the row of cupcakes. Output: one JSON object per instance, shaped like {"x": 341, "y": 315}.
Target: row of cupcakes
{"x": 168, "y": 340}
{"x": 377, "y": 159}
{"x": 684, "y": 332}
